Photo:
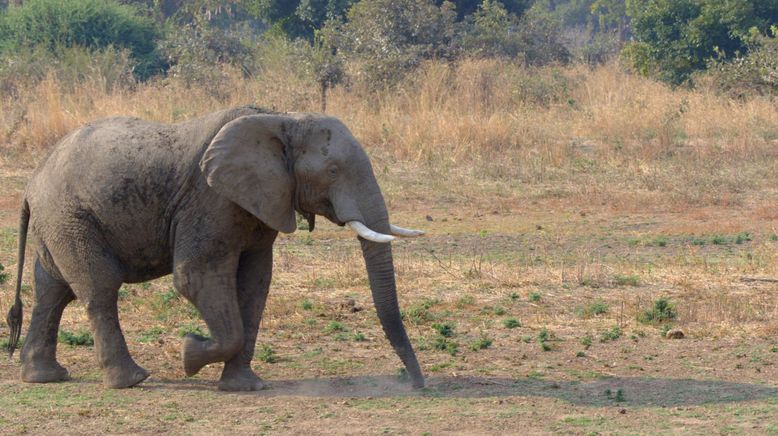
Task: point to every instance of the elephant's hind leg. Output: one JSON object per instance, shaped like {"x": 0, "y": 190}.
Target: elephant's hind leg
{"x": 39, "y": 361}
{"x": 95, "y": 277}
{"x": 119, "y": 369}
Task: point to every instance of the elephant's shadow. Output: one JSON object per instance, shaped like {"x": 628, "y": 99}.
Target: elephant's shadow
{"x": 608, "y": 391}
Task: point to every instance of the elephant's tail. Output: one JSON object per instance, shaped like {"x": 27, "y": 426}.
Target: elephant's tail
{"x": 14, "y": 318}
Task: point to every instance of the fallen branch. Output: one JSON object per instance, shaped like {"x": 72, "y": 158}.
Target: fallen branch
{"x": 758, "y": 279}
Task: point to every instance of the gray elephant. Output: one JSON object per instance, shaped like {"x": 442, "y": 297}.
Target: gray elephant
{"x": 123, "y": 200}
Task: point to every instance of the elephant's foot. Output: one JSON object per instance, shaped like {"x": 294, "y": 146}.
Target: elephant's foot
{"x": 125, "y": 376}
{"x": 242, "y": 379}
{"x": 44, "y": 373}
{"x": 194, "y": 354}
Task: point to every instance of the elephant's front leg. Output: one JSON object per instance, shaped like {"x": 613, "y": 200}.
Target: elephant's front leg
{"x": 211, "y": 285}
{"x": 254, "y": 275}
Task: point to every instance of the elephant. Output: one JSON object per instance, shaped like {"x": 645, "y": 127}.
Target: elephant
{"x": 123, "y": 200}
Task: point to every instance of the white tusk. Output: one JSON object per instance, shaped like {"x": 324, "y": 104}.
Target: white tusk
{"x": 368, "y": 234}
{"x": 406, "y": 233}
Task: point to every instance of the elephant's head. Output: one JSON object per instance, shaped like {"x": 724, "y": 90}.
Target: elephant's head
{"x": 272, "y": 165}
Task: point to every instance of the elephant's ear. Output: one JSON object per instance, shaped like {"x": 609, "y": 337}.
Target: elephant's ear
{"x": 246, "y": 163}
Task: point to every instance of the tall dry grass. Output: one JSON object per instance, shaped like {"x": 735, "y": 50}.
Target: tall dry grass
{"x": 594, "y": 134}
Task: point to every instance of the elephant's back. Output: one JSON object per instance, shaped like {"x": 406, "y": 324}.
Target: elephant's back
{"x": 111, "y": 180}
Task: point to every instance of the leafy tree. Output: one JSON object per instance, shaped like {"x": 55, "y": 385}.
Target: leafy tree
{"x": 674, "y": 38}
{"x": 492, "y": 31}
{"x": 389, "y": 37}
{"x": 468, "y": 7}
{"x": 298, "y": 18}
{"x": 95, "y": 24}
{"x": 753, "y": 74}
{"x": 611, "y": 14}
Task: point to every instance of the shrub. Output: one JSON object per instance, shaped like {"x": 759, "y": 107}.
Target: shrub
{"x": 494, "y": 32}
{"x": 387, "y": 38}
{"x": 611, "y": 335}
{"x": 335, "y": 326}
{"x": 266, "y": 354}
{"x": 511, "y": 323}
{"x": 755, "y": 73}
{"x": 483, "y": 342}
{"x": 444, "y": 329}
{"x": 443, "y": 344}
{"x": 94, "y": 24}
{"x": 196, "y": 54}
{"x": 598, "y": 307}
{"x": 675, "y": 38}
{"x": 79, "y": 338}
{"x": 662, "y": 311}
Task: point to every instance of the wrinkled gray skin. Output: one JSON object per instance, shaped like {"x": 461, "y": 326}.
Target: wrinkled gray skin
{"x": 124, "y": 201}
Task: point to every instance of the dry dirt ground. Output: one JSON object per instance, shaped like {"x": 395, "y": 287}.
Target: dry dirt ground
{"x": 528, "y": 313}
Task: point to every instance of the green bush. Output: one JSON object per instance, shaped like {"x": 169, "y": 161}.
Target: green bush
{"x": 494, "y": 32}
{"x": 662, "y": 311}
{"x": 388, "y": 38}
{"x": 755, "y": 73}
{"x": 80, "y": 338}
{"x": 675, "y": 38}
{"x": 94, "y": 24}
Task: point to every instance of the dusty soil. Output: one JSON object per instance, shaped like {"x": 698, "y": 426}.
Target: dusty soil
{"x": 543, "y": 300}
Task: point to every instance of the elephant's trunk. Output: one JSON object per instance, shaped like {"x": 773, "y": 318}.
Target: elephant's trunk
{"x": 380, "y": 272}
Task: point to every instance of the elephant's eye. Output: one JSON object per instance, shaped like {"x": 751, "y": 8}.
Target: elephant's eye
{"x": 332, "y": 171}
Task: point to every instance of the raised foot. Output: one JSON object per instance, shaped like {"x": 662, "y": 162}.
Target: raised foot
{"x": 194, "y": 354}
{"x": 124, "y": 377}
{"x": 44, "y": 373}
{"x": 241, "y": 380}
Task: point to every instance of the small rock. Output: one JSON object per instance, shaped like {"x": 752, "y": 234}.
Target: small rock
{"x": 623, "y": 411}
{"x": 429, "y": 218}
{"x": 674, "y": 334}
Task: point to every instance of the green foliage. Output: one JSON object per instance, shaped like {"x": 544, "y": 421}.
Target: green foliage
{"x": 335, "y": 326}
{"x": 3, "y": 274}
{"x": 674, "y": 38}
{"x": 511, "y": 323}
{"x": 468, "y": 7}
{"x": 197, "y": 52}
{"x": 420, "y": 312}
{"x": 610, "y": 335}
{"x": 94, "y": 24}
{"x": 662, "y": 311}
{"x": 442, "y": 344}
{"x": 79, "y": 338}
{"x": 298, "y": 18}
{"x": 191, "y": 328}
{"x": 755, "y": 73}
{"x": 482, "y": 343}
{"x": 534, "y": 297}
{"x": 306, "y": 304}
{"x": 444, "y": 329}
{"x": 492, "y": 31}
{"x": 388, "y": 38}
{"x": 597, "y": 307}
{"x": 266, "y": 354}
{"x": 627, "y": 280}
{"x": 151, "y": 335}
